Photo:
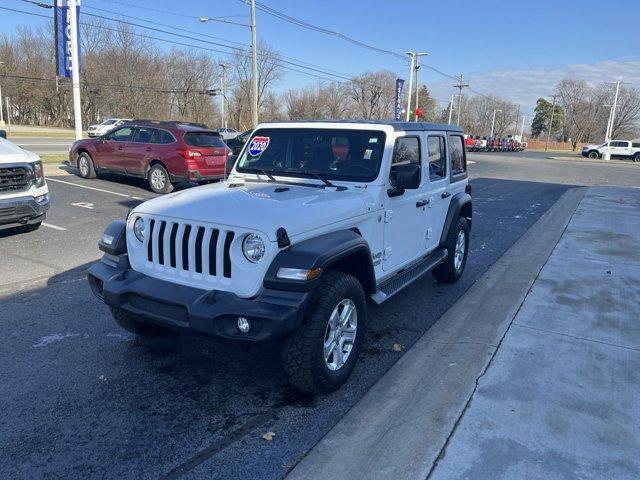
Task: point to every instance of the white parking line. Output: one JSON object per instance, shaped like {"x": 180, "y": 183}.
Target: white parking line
{"x": 49, "y": 179}
{"x": 55, "y": 227}
{"x": 470, "y": 161}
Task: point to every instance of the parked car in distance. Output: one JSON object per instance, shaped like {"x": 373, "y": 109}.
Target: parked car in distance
{"x": 24, "y": 195}
{"x": 227, "y": 133}
{"x": 236, "y": 143}
{"x": 165, "y": 153}
{"x": 106, "y": 126}
{"x": 616, "y": 148}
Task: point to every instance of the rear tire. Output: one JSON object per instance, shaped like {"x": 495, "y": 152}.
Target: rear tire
{"x": 457, "y": 245}
{"x": 321, "y": 355}
{"x": 159, "y": 180}
{"x": 136, "y": 327}
{"x": 86, "y": 167}
{"x": 636, "y": 158}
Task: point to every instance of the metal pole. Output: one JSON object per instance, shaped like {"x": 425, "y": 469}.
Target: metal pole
{"x": 410, "y": 85}
{"x": 522, "y": 130}
{"x": 613, "y": 110}
{"x": 493, "y": 122}
{"x": 75, "y": 69}
{"x": 460, "y": 86}
{"x": 1, "y": 115}
{"x": 606, "y": 133}
{"x": 451, "y": 107}
{"x": 515, "y": 127}
{"x": 224, "y": 95}
{"x": 254, "y": 66}
{"x": 417, "y": 66}
{"x": 553, "y": 109}
{"x": 6, "y": 101}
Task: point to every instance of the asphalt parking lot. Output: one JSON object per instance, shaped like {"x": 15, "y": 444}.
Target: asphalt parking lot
{"x": 82, "y": 398}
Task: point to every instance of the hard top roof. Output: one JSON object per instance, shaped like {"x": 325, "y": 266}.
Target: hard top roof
{"x": 188, "y": 126}
{"x": 397, "y": 125}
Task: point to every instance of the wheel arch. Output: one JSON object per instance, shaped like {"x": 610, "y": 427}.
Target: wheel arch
{"x": 460, "y": 205}
{"x": 344, "y": 251}
{"x": 80, "y": 151}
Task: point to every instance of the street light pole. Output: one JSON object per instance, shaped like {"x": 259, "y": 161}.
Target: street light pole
{"x": 223, "y": 100}
{"x": 493, "y": 122}
{"x": 254, "y": 66}
{"x": 460, "y": 86}
{"x": 613, "y": 112}
{"x": 553, "y": 109}
{"x": 451, "y": 107}
{"x": 75, "y": 68}
{"x": 1, "y": 115}
{"x": 410, "y": 85}
{"x": 522, "y": 129}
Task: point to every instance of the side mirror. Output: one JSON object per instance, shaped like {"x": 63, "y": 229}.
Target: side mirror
{"x": 405, "y": 177}
{"x": 3, "y": 134}
{"x": 231, "y": 160}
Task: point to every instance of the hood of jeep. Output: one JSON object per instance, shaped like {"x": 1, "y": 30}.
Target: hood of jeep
{"x": 264, "y": 207}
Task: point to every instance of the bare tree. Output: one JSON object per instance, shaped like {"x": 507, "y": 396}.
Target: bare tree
{"x": 374, "y": 94}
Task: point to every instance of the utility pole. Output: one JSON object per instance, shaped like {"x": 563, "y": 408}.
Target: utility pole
{"x": 606, "y": 133}
{"x": 417, "y": 89}
{"x": 493, "y": 122}
{"x": 515, "y": 127}
{"x": 522, "y": 130}
{"x": 553, "y": 110}
{"x": 1, "y": 116}
{"x": 223, "y": 100}
{"x": 460, "y": 86}
{"x": 415, "y": 65}
{"x": 254, "y": 66}
{"x": 613, "y": 112}
{"x": 6, "y": 101}
{"x": 75, "y": 68}
{"x": 451, "y": 107}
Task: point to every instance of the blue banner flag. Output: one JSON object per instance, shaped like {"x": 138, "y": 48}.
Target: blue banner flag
{"x": 62, "y": 29}
{"x": 399, "y": 85}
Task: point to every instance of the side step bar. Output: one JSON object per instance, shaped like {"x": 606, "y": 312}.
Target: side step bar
{"x": 393, "y": 285}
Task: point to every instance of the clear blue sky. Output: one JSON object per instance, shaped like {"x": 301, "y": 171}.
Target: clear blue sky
{"x": 518, "y": 53}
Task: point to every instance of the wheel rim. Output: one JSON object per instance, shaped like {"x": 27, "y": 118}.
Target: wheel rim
{"x": 340, "y": 335}
{"x": 84, "y": 166}
{"x": 158, "y": 179}
{"x": 458, "y": 256}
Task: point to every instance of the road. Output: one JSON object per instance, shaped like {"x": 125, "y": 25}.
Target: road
{"x": 43, "y": 145}
{"x": 81, "y": 398}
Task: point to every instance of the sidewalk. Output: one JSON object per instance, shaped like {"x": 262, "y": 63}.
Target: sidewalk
{"x": 534, "y": 373}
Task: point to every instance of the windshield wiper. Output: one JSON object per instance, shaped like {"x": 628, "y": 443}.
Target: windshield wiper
{"x": 266, "y": 174}
{"x": 323, "y": 179}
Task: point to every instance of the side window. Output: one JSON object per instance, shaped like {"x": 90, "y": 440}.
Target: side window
{"x": 406, "y": 151}
{"x": 143, "y": 135}
{"x": 121, "y": 134}
{"x": 456, "y": 152}
{"x": 437, "y": 158}
{"x": 624, "y": 144}
{"x": 162, "y": 137}
{"x": 635, "y": 145}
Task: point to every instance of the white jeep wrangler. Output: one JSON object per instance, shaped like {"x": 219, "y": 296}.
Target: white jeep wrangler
{"x": 24, "y": 195}
{"x": 316, "y": 220}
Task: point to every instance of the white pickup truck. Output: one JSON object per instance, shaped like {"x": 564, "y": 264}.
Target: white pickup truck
{"x": 616, "y": 148}
{"x": 24, "y": 195}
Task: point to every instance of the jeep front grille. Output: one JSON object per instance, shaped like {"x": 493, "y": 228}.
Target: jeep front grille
{"x": 14, "y": 179}
{"x": 190, "y": 248}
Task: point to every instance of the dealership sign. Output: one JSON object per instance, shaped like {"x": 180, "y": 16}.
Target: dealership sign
{"x": 399, "y": 85}
{"x": 62, "y": 31}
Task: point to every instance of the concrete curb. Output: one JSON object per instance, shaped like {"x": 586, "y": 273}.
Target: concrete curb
{"x": 402, "y": 425}
{"x": 590, "y": 160}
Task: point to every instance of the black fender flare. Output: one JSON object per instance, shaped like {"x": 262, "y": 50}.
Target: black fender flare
{"x": 458, "y": 203}
{"x": 116, "y": 233}
{"x": 344, "y": 250}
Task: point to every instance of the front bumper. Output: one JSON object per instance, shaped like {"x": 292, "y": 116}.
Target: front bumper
{"x": 272, "y": 314}
{"x": 22, "y": 211}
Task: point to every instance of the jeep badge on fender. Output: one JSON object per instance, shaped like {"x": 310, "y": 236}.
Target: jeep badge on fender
{"x": 316, "y": 221}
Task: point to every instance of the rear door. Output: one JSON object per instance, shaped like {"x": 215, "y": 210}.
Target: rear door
{"x": 438, "y": 170}
{"x": 139, "y": 150}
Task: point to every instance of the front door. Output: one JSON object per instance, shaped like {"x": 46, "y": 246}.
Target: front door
{"x": 111, "y": 148}
{"x": 404, "y": 214}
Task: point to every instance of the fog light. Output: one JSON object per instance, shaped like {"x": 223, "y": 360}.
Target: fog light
{"x": 243, "y": 324}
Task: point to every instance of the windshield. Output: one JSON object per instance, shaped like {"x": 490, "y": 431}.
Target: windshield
{"x": 109, "y": 121}
{"x": 340, "y": 154}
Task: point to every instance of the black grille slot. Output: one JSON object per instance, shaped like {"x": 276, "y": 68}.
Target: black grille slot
{"x": 161, "y": 242}
{"x": 213, "y": 243}
{"x": 14, "y": 179}
{"x": 227, "y": 255}
{"x": 199, "y": 237}
{"x": 172, "y": 245}
{"x": 150, "y": 241}
{"x": 185, "y": 247}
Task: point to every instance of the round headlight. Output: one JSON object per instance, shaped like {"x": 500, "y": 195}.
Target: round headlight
{"x": 253, "y": 248}
{"x": 139, "y": 229}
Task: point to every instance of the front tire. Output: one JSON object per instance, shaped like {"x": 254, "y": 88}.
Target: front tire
{"x": 86, "y": 167}
{"x": 136, "y": 327}
{"x": 159, "y": 180}
{"x": 457, "y": 245}
{"x": 636, "y": 158}
{"x": 321, "y": 355}
{"x": 594, "y": 154}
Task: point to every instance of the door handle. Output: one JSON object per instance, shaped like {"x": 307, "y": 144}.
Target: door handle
{"x": 422, "y": 203}
{"x": 148, "y": 149}
{"x": 119, "y": 148}
{"x": 445, "y": 195}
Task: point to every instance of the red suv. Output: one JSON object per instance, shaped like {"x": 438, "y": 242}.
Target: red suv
{"x": 164, "y": 153}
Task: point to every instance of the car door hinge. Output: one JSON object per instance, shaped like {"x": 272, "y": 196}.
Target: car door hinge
{"x": 386, "y": 254}
{"x": 388, "y": 215}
